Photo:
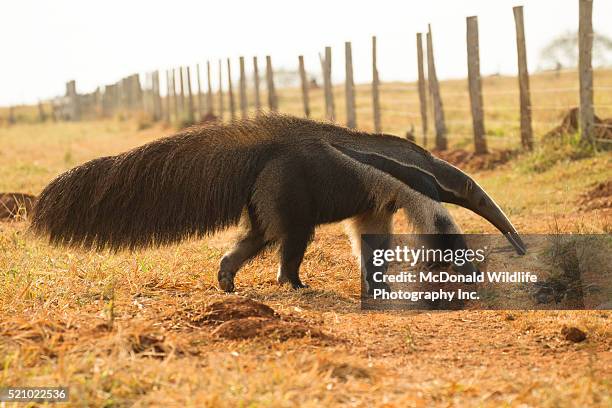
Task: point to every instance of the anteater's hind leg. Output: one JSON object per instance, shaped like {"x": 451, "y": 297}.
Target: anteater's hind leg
{"x": 248, "y": 246}
{"x": 283, "y": 202}
{"x": 291, "y": 252}
{"x": 378, "y": 227}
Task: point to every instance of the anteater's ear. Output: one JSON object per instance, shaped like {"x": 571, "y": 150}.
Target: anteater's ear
{"x": 444, "y": 182}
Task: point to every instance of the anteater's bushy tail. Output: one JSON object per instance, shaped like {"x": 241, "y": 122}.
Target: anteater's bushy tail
{"x": 191, "y": 184}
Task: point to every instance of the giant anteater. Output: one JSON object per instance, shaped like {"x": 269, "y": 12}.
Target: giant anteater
{"x": 282, "y": 175}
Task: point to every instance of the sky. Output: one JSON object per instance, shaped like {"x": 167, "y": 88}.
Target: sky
{"x": 46, "y": 43}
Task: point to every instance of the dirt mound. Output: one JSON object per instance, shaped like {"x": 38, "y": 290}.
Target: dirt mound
{"x": 277, "y": 329}
{"x": 16, "y": 205}
{"x": 232, "y": 309}
{"x": 474, "y": 162}
{"x": 573, "y": 334}
{"x": 344, "y": 371}
{"x": 570, "y": 124}
{"x": 150, "y": 344}
{"x": 600, "y": 196}
{"x": 240, "y": 318}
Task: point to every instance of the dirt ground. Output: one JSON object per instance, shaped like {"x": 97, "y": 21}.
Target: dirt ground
{"x": 151, "y": 327}
{"x": 475, "y": 162}
{"x": 598, "y": 197}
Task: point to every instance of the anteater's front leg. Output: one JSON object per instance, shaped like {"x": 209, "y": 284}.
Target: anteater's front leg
{"x": 438, "y": 229}
{"x": 369, "y": 232}
{"x": 291, "y": 252}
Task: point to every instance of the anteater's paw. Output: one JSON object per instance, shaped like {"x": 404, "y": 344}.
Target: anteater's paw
{"x": 226, "y": 279}
{"x": 281, "y": 279}
{"x": 297, "y": 284}
{"x": 378, "y": 285}
{"x": 226, "y": 285}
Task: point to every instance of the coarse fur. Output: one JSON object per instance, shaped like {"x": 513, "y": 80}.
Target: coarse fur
{"x": 283, "y": 175}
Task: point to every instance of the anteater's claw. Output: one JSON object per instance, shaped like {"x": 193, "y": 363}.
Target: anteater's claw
{"x": 226, "y": 285}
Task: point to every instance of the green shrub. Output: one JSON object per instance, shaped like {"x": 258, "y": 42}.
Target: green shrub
{"x": 560, "y": 149}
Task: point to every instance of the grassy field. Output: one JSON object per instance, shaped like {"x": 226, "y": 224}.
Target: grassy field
{"x": 123, "y": 329}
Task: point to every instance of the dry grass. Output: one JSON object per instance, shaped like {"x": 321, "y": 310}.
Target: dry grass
{"x": 120, "y": 329}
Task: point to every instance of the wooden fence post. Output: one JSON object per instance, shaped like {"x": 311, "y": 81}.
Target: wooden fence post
{"x": 42, "y": 116}
{"x": 209, "y": 103}
{"x": 525, "y": 97}
{"x": 422, "y": 92}
{"x": 74, "y": 100}
{"x": 106, "y": 101}
{"x": 375, "y": 90}
{"x": 126, "y": 94}
{"x": 230, "y": 90}
{"x": 122, "y": 94}
{"x": 138, "y": 94}
{"x": 11, "y": 115}
{"x": 130, "y": 93}
{"x": 116, "y": 102}
{"x": 175, "y": 96}
{"x": 153, "y": 95}
{"x": 168, "y": 98}
{"x": 256, "y": 79}
{"x": 434, "y": 89}
{"x": 201, "y": 109}
{"x": 272, "y": 98}
{"x": 147, "y": 106}
{"x": 157, "y": 105}
{"x": 349, "y": 87}
{"x": 182, "y": 88}
{"x": 191, "y": 113}
{"x": 244, "y": 109}
{"x": 304, "y": 82}
{"x": 475, "y": 85}
{"x": 97, "y": 102}
{"x": 326, "y": 64}
{"x": 221, "y": 107}
{"x": 585, "y": 48}
{"x": 149, "y": 95}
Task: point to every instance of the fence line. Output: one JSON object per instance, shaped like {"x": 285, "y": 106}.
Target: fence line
{"x": 130, "y": 94}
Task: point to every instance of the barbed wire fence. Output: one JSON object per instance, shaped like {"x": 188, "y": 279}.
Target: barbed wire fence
{"x": 483, "y": 111}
